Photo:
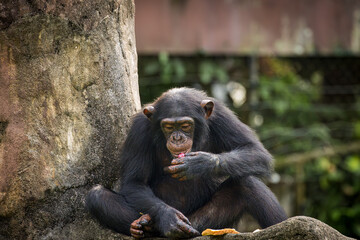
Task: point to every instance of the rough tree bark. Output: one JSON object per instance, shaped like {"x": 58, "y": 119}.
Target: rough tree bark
{"x": 68, "y": 86}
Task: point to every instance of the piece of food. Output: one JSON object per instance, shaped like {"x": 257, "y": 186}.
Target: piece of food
{"x": 181, "y": 155}
{"x": 217, "y": 232}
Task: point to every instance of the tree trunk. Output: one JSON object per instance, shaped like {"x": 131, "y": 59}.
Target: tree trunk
{"x": 68, "y": 86}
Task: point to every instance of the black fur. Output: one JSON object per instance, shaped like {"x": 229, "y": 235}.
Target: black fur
{"x": 213, "y": 199}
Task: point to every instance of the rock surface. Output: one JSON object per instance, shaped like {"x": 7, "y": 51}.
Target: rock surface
{"x": 295, "y": 228}
{"x": 68, "y": 86}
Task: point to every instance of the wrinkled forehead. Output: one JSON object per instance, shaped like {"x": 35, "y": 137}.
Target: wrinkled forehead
{"x": 175, "y": 108}
{"x": 177, "y": 120}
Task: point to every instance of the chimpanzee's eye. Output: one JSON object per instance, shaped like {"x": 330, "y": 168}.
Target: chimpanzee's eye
{"x": 186, "y": 127}
{"x": 168, "y": 128}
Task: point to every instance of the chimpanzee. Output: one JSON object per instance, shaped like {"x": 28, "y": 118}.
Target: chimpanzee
{"x": 188, "y": 164}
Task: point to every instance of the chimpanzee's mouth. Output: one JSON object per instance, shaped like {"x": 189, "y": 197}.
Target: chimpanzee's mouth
{"x": 175, "y": 148}
{"x": 176, "y": 154}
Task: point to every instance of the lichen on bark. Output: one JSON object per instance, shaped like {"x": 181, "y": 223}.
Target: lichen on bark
{"x": 68, "y": 86}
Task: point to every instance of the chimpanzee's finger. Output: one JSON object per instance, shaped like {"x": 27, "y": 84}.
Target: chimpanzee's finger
{"x": 135, "y": 225}
{"x": 183, "y": 218}
{"x": 170, "y": 170}
{"x": 183, "y": 178}
{"x": 177, "y": 161}
{"x": 175, "y": 169}
{"x": 178, "y": 175}
{"x": 191, "y": 154}
{"x": 136, "y": 233}
{"x": 187, "y": 229}
{"x": 145, "y": 220}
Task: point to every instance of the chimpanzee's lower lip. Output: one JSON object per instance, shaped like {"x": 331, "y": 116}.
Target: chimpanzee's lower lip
{"x": 176, "y": 155}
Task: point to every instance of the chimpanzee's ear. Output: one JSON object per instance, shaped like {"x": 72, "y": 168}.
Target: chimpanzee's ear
{"x": 149, "y": 111}
{"x": 208, "y": 105}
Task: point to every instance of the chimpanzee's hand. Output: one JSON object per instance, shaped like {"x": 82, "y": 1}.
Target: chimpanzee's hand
{"x": 173, "y": 224}
{"x": 194, "y": 164}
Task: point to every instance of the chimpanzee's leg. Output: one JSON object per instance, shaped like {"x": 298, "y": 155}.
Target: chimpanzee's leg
{"x": 261, "y": 203}
{"x": 223, "y": 210}
{"x": 233, "y": 199}
{"x": 111, "y": 209}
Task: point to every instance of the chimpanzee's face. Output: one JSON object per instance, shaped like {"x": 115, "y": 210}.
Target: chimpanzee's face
{"x": 179, "y": 134}
{"x": 179, "y": 127}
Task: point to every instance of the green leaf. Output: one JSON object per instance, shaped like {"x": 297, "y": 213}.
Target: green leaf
{"x": 221, "y": 75}
{"x": 281, "y": 106}
{"x": 324, "y": 164}
{"x": 324, "y": 183}
{"x": 179, "y": 69}
{"x": 163, "y": 58}
{"x": 166, "y": 74}
{"x": 336, "y": 214}
{"x": 206, "y": 72}
{"x": 353, "y": 164}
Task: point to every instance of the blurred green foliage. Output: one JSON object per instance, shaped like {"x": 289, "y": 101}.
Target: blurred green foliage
{"x": 334, "y": 192}
{"x": 287, "y": 103}
{"x": 292, "y": 125}
{"x": 295, "y": 119}
{"x": 209, "y": 70}
{"x": 169, "y": 70}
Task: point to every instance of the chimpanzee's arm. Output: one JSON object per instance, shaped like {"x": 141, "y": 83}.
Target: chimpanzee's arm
{"x": 242, "y": 152}
{"x": 251, "y": 159}
{"x": 235, "y": 151}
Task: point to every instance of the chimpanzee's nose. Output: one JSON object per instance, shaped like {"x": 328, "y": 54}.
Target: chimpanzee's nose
{"x": 177, "y": 137}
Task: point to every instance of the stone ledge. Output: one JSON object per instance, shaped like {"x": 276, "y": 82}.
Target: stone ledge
{"x": 295, "y": 228}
